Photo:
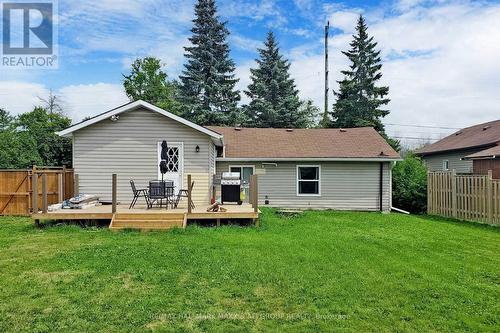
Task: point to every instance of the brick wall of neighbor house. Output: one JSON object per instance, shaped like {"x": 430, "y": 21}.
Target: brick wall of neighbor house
{"x": 481, "y": 167}
{"x": 344, "y": 185}
{"x": 435, "y": 162}
{"x": 128, "y": 147}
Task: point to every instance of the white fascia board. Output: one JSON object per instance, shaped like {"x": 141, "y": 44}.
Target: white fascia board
{"x": 308, "y": 159}
{"x": 215, "y": 136}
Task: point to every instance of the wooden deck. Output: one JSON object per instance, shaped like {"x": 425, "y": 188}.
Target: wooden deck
{"x": 142, "y": 218}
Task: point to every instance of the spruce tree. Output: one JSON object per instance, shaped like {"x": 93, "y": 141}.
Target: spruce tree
{"x": 208, "y": 80}
{"x": 359, "y": 99}
{"x": 274, "y": 98}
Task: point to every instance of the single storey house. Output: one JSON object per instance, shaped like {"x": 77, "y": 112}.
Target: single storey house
{"x": 470, "y": 150}
{"x": 346, "y": 169}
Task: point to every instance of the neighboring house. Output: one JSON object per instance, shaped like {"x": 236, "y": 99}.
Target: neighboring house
{"x": 486, "y": 160}
{"x": 298, "y": 168}
{"x": 459, "y": 150}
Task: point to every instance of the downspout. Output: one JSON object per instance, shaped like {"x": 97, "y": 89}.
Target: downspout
{"x": 381, "y": 187}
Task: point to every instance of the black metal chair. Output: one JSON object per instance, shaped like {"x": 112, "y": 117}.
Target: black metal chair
{"x": 184, "y": 194}
{"x": 138, "y": 193}
{"x": 159, "y": 191}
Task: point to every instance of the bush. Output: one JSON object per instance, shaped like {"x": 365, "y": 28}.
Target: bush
{"x": 409, "y": 185}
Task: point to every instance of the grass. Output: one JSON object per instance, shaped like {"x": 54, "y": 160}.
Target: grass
{"x": 321, "y": 271}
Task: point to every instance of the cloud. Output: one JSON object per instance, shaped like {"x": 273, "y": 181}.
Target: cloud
{"x": 440, "y": 62}
{"x": 124, "y": 29}
{"x": 440, "y": 58}
{"x": 19, "y": 97}
{"x": 87, "y": 100}
{"x": 243, "y": 74}
{"x": 79, "y": 101}
{"x": 244, "y": 43}
{"x": 345, "y": 20}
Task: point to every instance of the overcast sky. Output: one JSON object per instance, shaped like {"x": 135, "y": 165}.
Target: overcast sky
{"x": 441, "y": 59}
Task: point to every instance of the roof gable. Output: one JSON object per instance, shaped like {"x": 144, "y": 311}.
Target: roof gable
{"x": 135, "y": 105}
{"x": 481, "y": 135}
{"x": 297, "y": 144}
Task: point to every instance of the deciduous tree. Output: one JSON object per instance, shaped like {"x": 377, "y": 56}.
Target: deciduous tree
{"x": 148, "y": 82}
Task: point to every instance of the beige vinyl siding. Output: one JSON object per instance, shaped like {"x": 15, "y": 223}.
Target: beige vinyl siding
{"x": 435, "y": 162}
{"x": 344, "y": 185}
{"x": 128, "y": 147}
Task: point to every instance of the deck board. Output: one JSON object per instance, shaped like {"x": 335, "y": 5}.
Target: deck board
{"x": 104, "y": 212}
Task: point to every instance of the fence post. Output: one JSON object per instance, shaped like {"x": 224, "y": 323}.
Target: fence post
{"x": 454, "y": 193}
{"x": 255, "y": 192}
{"x": 489, "y": 188}
{"x": 76, "y": 186}
{"x": 113, "y": 193}
{"x": 63, "y": 183}
{"x": 250, "y": 191}
{"x": 34, "y": 191}
{"x": 44, "y": 193}
{"x": 429, "y": 196}
{"x": 60, "y": 187}
{"x": 190, "y": 209}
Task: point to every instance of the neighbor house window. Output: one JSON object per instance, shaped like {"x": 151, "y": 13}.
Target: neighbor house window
{"x": 446, "y": 165}
{"x": 308, "y": 180}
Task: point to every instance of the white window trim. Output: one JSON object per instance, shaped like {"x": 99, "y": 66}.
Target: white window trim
{"x": 181, "y": 159}
{"x": 446, "y": 162}
{"x": 318, "y": 180}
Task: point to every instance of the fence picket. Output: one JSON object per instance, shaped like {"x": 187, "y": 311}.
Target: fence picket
{"x": 16, "y": 188}
{"x": 465, "y": 197}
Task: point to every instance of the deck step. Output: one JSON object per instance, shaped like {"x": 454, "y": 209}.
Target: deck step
{"x": 146, "y": 221}
{"x": 149, "y": 217}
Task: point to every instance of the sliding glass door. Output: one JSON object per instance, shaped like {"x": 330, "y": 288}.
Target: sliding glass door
{"x": 245, "y": 172}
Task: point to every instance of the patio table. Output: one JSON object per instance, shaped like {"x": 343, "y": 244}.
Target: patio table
{"x": 161, "y": 190}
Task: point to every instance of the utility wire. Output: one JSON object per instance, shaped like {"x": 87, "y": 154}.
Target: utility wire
{"x": 415, "y": 138}
{"x": 423, "y": 126}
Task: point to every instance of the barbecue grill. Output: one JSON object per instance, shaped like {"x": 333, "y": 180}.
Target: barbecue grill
{"x": 230, "y": 187}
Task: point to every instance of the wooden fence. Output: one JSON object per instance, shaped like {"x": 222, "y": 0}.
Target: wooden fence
{"x": 16, "y": 188}
{"x": 464, "y": 197}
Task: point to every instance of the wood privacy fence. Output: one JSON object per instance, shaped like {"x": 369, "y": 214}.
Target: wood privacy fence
{"x": 464, "y": 197}
{"x": 16, "y": 188}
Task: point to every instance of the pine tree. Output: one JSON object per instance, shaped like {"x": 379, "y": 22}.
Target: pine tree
{"x": 274, "y": 98}
{"x": 359, "y": 99}
{"x": 208, "y": 80}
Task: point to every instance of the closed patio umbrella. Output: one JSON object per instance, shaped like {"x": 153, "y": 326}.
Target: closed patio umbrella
{"x": 164, "y": 157}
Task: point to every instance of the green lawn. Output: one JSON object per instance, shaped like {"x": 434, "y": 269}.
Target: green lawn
{"x": 322, "y": 271}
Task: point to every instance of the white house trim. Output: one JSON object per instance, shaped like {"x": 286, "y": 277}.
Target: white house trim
{"x": 242, "y": 166}
{"x": 302, "y": 180}
{"x": 218, "y": 139}
{"x": 180, "y": 173}
{"x": 307, "y": 159}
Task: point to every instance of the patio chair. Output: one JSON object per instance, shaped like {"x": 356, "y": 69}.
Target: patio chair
{"x": 184, "y": 194}
{"x": 138, "y": 193}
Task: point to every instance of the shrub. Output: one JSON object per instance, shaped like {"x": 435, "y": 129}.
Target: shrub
{"x": 409, "y": 185}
